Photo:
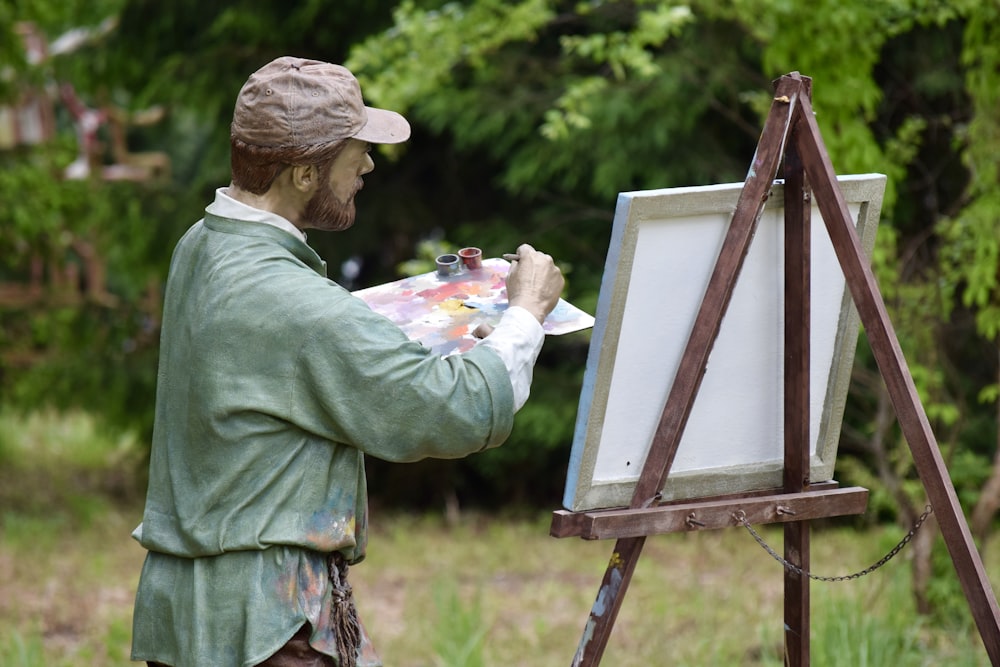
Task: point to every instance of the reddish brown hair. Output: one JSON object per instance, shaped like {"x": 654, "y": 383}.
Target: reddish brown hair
{"x": 254, "y": 168}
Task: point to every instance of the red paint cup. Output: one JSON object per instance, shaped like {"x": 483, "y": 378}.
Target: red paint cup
{"x": 472, "y": 258}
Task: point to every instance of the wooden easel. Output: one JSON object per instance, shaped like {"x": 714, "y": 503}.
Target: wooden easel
{"x": 790, "y": 132}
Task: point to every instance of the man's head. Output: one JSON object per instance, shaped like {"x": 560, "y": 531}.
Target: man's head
{"x": 305, "y": 113}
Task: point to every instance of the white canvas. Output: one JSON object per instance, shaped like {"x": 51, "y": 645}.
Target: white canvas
{"x": 663, "y": 250}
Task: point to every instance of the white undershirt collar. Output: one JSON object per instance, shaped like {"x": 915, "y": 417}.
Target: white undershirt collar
{"x": 225, "y": 206}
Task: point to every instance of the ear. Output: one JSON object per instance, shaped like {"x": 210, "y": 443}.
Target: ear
{"x": 304, "y": 177}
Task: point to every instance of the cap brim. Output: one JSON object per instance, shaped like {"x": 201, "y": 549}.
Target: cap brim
{"x": 384, "y": 127}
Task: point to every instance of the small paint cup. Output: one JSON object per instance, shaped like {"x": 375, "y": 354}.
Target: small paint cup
{"x": 448, "y": 265}
{"x": 472, "y": 258}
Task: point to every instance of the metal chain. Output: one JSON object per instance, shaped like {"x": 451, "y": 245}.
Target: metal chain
{"x": 741, "y": 518}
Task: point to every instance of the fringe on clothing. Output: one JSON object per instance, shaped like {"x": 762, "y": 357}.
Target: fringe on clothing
{"x": 343, "y": 613}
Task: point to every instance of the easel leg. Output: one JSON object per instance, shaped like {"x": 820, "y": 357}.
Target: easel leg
{"x": 609, "y": 600}
{"x": 797, "y": 595}
{"x": 798, "y": 271}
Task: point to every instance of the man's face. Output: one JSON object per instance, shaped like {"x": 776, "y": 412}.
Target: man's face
{"x": 331, "y": 207}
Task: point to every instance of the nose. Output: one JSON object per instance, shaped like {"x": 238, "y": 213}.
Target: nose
{"x": 367, "y": 165}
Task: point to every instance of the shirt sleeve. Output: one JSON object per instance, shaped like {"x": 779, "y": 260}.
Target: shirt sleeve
{"x": 517, "y": 340}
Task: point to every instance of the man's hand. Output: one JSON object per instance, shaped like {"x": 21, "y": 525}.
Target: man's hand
{"x": 534, "y": 282}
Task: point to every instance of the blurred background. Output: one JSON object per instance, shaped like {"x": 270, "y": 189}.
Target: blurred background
{"x": 529, "y": 116}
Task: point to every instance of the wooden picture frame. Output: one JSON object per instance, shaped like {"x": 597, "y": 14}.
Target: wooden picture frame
{"x": 663, "y": 247}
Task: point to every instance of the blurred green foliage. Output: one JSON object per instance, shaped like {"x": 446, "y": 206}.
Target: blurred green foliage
{"x": 529, "y": 117}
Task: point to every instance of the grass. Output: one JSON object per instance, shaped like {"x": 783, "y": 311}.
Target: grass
{"x": 485, "y": 591}
{"x": 429, "y": 593}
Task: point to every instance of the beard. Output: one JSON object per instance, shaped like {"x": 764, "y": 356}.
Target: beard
{"x": 325, "y": 211}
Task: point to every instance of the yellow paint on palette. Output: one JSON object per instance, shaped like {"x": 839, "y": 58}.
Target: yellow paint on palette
{"x": 455, "y": 306}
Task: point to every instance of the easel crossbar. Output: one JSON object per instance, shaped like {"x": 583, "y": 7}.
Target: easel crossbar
{"x": 685, "y": 517}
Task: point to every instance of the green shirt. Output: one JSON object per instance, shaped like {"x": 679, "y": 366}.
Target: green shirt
{"x": 273, "y": 383}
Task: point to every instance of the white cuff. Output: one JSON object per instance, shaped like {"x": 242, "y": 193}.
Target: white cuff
{"x": 517, "y": 339}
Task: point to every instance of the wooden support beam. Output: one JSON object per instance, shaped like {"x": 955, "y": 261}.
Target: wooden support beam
{"x": 797, "y": 313}
{"x": 711, "y": 515}
{"x": 566, "y": 523}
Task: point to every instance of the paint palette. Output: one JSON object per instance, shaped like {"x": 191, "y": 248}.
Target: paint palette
{"x": 441, "y": 312}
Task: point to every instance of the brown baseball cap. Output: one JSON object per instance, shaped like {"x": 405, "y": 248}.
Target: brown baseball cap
{"x": 297, "y": 102}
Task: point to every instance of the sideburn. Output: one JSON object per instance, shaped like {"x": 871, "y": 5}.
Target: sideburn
{"x": 324, "y": 210}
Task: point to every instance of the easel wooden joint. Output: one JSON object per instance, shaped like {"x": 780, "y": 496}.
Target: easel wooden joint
{"x": 790, "y": 139}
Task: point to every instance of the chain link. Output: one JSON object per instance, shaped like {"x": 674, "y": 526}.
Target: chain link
{"x": 741, "y": 518}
